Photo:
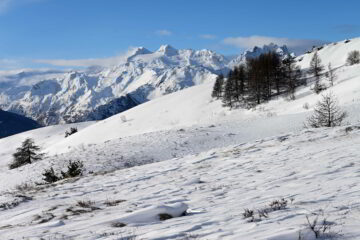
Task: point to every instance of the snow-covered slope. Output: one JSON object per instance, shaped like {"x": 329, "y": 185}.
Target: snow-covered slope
{"x": 316, "y": 171}
{"x": 194, "y": 108}
{"x": 44, "y": 137}
{"x": 189, "y": 121}
{"x": 334, "y": 53}
{"x": 184, "y": 151}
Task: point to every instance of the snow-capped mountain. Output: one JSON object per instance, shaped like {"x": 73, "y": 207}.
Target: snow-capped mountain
{"x": 82, "y": 95}
{"x": 53, "y": 97}
{"x": 282, "y": 51}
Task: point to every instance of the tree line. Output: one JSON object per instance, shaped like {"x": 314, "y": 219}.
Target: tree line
{"x": 266, "y": 76}
{"x": 259, "y": 80}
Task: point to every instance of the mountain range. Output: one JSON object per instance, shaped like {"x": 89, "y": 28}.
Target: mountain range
{"x": 187, "y": 156}
{"x": 52, "y": 97}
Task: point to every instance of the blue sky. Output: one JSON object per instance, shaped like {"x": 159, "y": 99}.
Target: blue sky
{"x": 33, "y": 30}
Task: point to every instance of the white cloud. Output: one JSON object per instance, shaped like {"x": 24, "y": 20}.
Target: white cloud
{"x": 104, "y": 62}
{"x": 296, "y": 45}
{"x": 207, "y": 36}
{"x": 10, "y": 63}
{"x": 77, "y": 62}
{"x": 163, "y": 32}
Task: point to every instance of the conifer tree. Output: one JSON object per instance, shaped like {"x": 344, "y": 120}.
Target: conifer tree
{"x": 315, "y": 69}
{"x": 327, "y": 113}
{"x": 218, "y": 87}
{"x": 331, "y": 75}
{"x": 26, "y": 154}
{"x": 229, "y": 90}
{"x": 241, "y": 78}
{"x": 292, "y": 75}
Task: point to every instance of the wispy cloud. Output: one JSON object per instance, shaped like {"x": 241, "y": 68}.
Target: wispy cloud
{"x": 207, "y": 36}
{"x": 163, "y": 32}
{"x": 296, "y": 45}
{"x": 79, "y": 62}
{"x": 103, "y": 62}
{"x": 10, "y": 63}
{"x": 5, "y": 5}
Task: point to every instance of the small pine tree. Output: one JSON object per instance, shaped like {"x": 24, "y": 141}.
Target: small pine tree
{"x": 26, "y": 154}
{"x": 327, "y": 113}
{"x": 315, "y": 69}
{"x": 331, "y": 75}
{"x": 353, "y": 57}
{"x": 74, "y": 169}
{"x": 50, "y": 176}
{"x": 292, "y": 75}
{"x": 218, "y": 87}
{"x": 240, "y": 78}
{"x": 71, "y": 132}
{"x": 229, "y": 90}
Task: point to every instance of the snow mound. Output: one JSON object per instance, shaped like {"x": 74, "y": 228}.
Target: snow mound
{"x": 154, "y": 213}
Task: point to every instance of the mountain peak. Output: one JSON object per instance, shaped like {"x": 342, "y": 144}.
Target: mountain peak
{"x": 138, "y": 51}
{"x": 282, "y": 51}
{"x": 167, "y": 50}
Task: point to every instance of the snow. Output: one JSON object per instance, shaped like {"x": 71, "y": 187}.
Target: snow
{"x": 185, "y": 152}
{"x": 316, "y": 168}
{"x": 334, "y": 53}
{"x": 71, "y": 96}
{"x": 151, "y": 214}
{"x": 44, "y": 137}
{"x": 54, "y": 97}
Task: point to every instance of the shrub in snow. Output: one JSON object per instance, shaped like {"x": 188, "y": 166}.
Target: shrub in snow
{"x": 118, "y": 224}
{"x": 71, "y": 131}
{"x": 248, "y": 213}
{"x": 353, "y": 57}
{"x": 50, "y": 176}
{"x": 320, "y": 228}
{"x": 111, "y": 203}
{"x": 74, "y": 169}
{"x": 86, "y": 204}
{"x": 326, "y": 113}
{"x": 306, "y": 106}
{"x": 262, "y": 213}
{"x": 278, "y": 204}
{"x": 26, "y": 154}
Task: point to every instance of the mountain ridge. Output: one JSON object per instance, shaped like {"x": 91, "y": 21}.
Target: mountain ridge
{"x": 54, "y": 97}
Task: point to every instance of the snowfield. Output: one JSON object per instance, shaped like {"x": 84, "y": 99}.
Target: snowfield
{"x": 182, "y": 166}
{"x": 316, "y": 171}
